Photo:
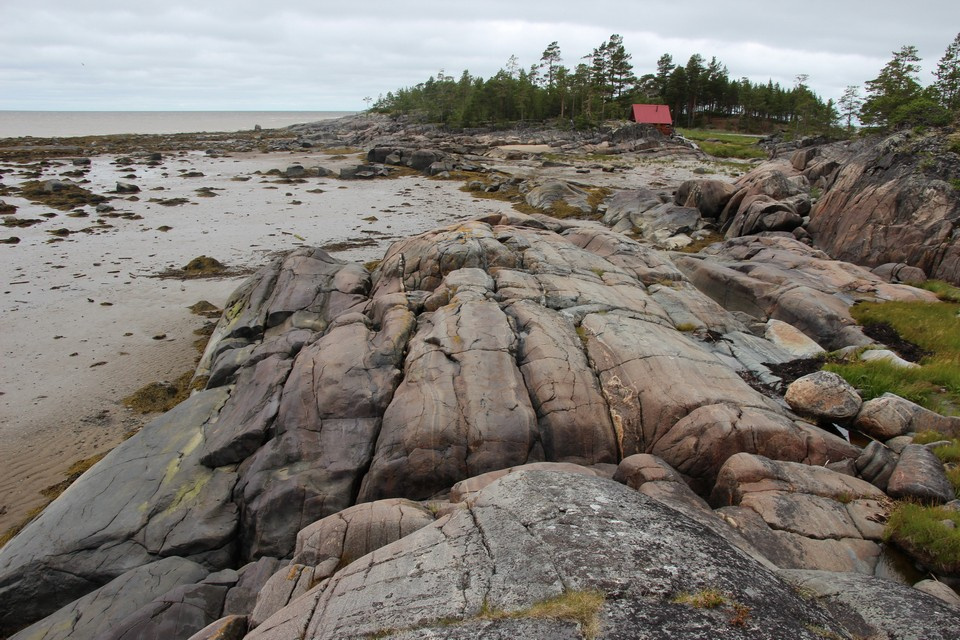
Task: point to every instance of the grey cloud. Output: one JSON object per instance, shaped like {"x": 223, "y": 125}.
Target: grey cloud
{"x": 242, "y": 54}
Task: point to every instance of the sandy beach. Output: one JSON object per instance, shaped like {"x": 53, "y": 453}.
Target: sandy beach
{"x": 87, "y": 321}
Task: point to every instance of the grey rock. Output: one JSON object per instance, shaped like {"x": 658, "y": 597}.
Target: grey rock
{"x": 869, "y": 607}
{"x": 534, "y": 535}
{"x": 180, "y": 613}
{"x": 242, "y": 425}
{"x": 709, "y": 197}
{"x": 876, "y": 464}
{"x": 163, "y": 503}
{"x": 242, "y": 597}
{"x": 824, "y": 395}
{"x": 919, "y": 475}
{"x": 126, "y": 187}
{"x": 545, "y": 195}
{"x": 94, "y": 615}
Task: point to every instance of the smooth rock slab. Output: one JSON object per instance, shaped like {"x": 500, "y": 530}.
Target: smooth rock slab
{"x": 870, "y": 607}
{"x": 533, "y": 535}
{"x": 95, "y": 614}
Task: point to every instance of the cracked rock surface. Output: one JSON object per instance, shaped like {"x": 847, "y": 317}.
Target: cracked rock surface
{"x": 500, "y": 342}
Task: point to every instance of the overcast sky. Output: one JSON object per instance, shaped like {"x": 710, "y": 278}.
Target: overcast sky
{"x": 315, "y": 56}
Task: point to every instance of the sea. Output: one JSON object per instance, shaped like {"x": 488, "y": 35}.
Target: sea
{"x": 56, "y": 124}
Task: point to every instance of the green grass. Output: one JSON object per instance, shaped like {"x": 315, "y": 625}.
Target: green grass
{"x": 943, "y": 290}
{"x": 933, "y": 326}
{"x": 922, "y": 533}
{"x": 725, "y": 145}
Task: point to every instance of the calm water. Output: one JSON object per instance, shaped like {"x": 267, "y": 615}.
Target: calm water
{"x": 47, "y": 124}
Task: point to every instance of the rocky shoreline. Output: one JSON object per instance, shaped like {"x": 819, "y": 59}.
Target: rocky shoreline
{"x": 520, "y": 408}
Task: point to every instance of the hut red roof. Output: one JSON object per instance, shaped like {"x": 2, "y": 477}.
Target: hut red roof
{"x": 651, "y": 114}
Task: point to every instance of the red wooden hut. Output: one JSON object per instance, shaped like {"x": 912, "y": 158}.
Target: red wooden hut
{"x": 657, "y": 115}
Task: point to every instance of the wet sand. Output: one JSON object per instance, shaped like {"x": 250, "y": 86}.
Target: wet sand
{"x": 86, "y": 322}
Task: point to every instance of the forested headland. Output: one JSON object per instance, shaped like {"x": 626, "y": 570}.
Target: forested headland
{"x": 699, "y": 93}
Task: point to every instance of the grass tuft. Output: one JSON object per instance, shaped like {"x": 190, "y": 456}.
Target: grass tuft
{"x": 921, "y": 532}
{"x": 943, "y": 290}
{"x": 935, "y": 328}
{"x": 704, "y": 599}
{"x": 581, "y": 607}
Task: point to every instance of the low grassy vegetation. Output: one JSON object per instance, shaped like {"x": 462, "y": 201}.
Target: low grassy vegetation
{"x": 927, "y": 535}
{"x": 943, "y": 290}
{"x": 581, "y": 607}
{"x": 724, "y": 144}
{"x": 935, "y": 328}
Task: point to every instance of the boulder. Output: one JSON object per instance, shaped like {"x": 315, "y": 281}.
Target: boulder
{"x": 545, "y": 195}
{"x": 824, "y": 395}
{"x": 900, "y": 272}
{"x": 919, "y": 475}
{"x": 939, "y": 590}
{"x": 709, "y": 197}
{"x": 876, "y": 464}
{"x": 791, "y": 339}
{"x": 890, "y": 416}
{"x": 422, "y": 159}
{"x": 802, "y": 517}
{"x": 126, "y": 187}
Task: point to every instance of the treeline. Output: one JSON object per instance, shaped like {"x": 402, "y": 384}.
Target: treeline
{"x": 896, "y": 98}
{"x": 603, "y": 86}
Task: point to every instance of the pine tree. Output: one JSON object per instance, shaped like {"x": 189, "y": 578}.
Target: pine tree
{"x": 896, "y": 85}
{"x": 948, "y": 76}
{"x": 549, "y": 61}
{"x": 620, "y": 71}
{"x": 665, "y": 67}
{"x": 849, "y": 104}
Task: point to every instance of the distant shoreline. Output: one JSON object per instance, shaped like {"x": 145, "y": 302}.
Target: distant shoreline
{"x": 49, "y": 124}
